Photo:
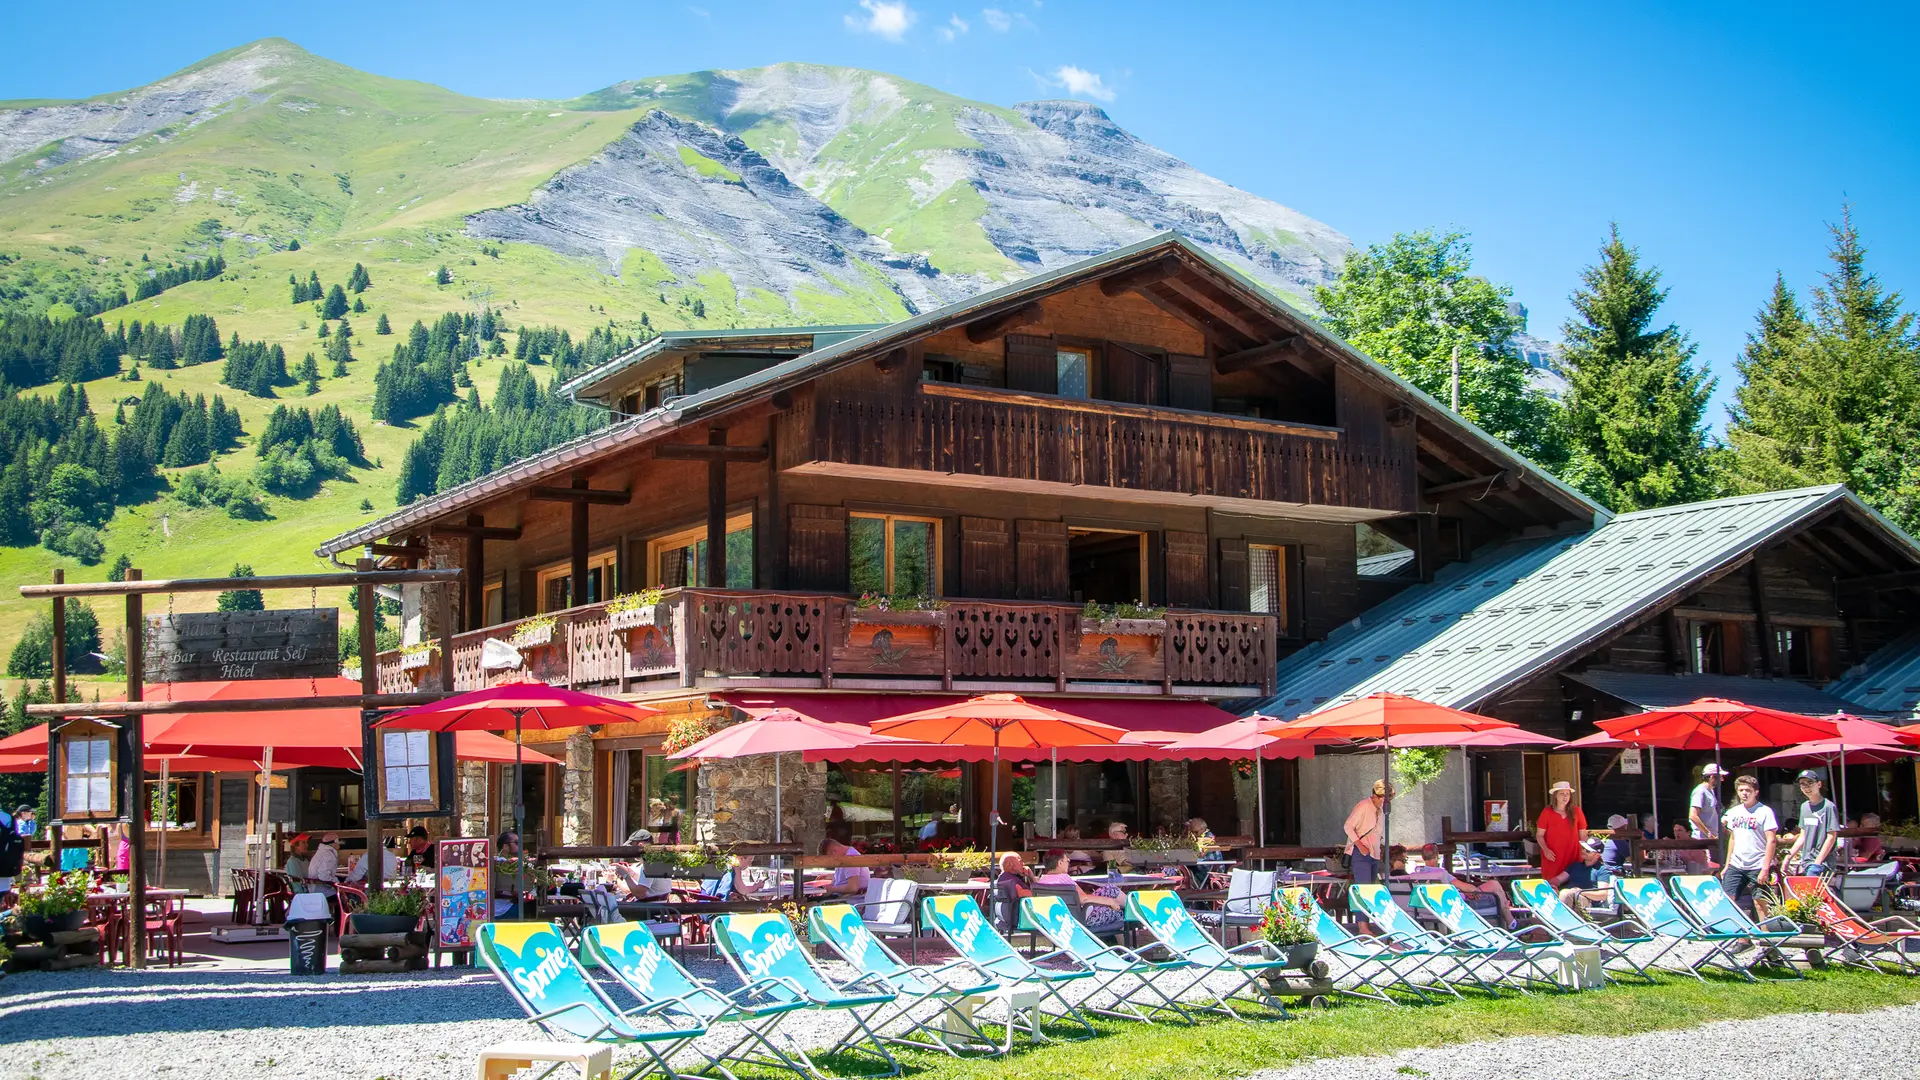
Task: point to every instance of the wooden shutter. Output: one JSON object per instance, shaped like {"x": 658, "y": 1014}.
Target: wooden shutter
{"x": 1031, "y": 363}
{"x": 1041, "y": 558}
{"x": 817, "y": 547}
{"x": 1190, "y": 382}
{"x": 1186, "y": 562}
{"x": 1820, "y": 652}
{"x": 1733, "y": 649}
{"x": 1133, "y": 374}
{"x": 986, "y": 558}
{"x": 1233, "y": 575}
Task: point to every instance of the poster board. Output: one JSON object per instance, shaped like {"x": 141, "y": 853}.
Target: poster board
{"x": 1494, "y": 811}
{"x": 87, "y": 771}
{"x": 409, "y": 773}
{"x": 462, "y": 891}
{"x": 218, "y": 646}
{"x": 1630, "y": 763}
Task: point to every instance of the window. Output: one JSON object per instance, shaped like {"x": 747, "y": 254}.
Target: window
{"x": 1792, "y": 646}
{"x": 556, "y": 582}
{"x": 1706, "y": 648}
{"x": 178, "y": 808}
{"x": 895, "y": 555}
{"x": 1267, "y": 581}
{"x": 936, "y": 368}
{"x": 1073, "y": 371}
{"x": 681, "y": 558}
{"x": 661, "y": 391}
{"x": 492, "y": 604}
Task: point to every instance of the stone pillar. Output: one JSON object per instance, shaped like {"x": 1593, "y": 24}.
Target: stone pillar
{"x": 473, "y": 798}
{"x": 1166, "y": 795}
{"x": 576, "y": 824}
{"x": 734, "y": 801}
{"x": 420, "y": 604}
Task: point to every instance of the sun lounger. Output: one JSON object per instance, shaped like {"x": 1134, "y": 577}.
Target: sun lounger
{"x": 633, "y": 957}
{"x": 764, "y": 948}
{"x": 532, "y": 961}
{"x": 1375, "y": 904}
{"x": 840, "y": 926}
{"x": 1466, "y": 927}
{"x": 1355, "y": 951}
{"x": 959, "y": 921}
{"x": 1864, "y": 943}
{"x": 1615, "y": 939}
{"x": 1166, "y": 918}
{"x": 1709, "y": 905}
{"x": 1113, "y": 967}
{"x": 1656, "y": 912}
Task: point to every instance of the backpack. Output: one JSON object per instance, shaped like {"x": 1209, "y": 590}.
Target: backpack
{"x": 13, "y": 848}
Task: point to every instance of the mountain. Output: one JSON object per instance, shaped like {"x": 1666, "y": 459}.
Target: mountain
{"x": 791, "y": 193}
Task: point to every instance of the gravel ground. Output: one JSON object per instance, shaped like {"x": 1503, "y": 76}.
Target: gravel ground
{"x": 1879, "y": 1045}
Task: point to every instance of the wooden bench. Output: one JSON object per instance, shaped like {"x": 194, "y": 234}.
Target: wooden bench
{"x": 501, "y": 1060}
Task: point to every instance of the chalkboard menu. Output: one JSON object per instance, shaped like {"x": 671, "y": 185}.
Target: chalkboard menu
{"x": 218, "y": 646}
{"x": 461, "y": 891}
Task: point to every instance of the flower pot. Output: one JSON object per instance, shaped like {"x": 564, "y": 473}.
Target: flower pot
{"x": 361, "y": 922}
{"x": 657, "y": 869}
{"x": 1299, "y": 957}
{"x": 42, "y": 926}
{"x": 530, "y": 639}
{"x": 413, "y": 661}
{"x": 1123, "y": 627}
{"x": 631, "y": 618}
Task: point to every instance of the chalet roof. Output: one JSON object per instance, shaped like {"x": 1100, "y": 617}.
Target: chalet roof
{"x": 1655, "y": 691}
{"x": 671, "y": 341}
{"x": 1888, "y": 682}
{"x": 710, "y": 403}
{"x": 1519, "y": 609}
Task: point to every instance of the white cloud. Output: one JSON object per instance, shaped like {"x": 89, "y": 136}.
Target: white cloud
{"x": 954, "y": 28}
{"x": 887, "y": 18}
{"x": 1082, "y": 83}
{"x": 998, "y": 21}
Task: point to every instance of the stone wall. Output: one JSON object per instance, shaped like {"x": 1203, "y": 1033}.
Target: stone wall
{"x": 1331, "y": 784}
{"x": 734, "y": 800}
{"x": 473, "y": 798}
{"x": 576, "y": 805}
{"x": 1166, "y": 795}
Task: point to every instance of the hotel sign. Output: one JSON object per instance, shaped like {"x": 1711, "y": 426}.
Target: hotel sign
{"x": 217, "y": 646}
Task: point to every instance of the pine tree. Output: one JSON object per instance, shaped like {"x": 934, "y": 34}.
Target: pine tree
{"x": 336, "y": 304}
{"x": 310, "y": 374}
{"x": 324, "y": 331}
{"x": 293, "y": 245}
{"x": 442, "y": 276}
{"x": 241, "y": 599}
{"x": 358, "y": 280}
{"x": 382, "y": 326}
{"x": 359, "y": 306}
{"x": 1635, "y": 404}
{"x": 121, "y": 564}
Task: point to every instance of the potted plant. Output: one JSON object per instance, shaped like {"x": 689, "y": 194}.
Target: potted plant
{"x": 1803, "y": 910}
{"x": 631, "y": 610}
{"x": 533, "y": 633}
{"x": 416, "y": 656}
{"x": 59, "y": 906}
{"x": 1286, "y": 932}
{"x": 684, "y": 731}
{"x": 1161, "y": 849}
{"x": 957, "y": 865}
{"x": 389, "y": 911}
{"x": 700, "y": 863}
{"x": 1134, "y": 619}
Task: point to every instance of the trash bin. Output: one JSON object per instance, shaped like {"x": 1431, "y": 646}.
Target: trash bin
{"x": 307, "y": 921}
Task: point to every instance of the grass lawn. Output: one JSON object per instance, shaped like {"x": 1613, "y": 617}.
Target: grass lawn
{"x": 1220, "y": 1048}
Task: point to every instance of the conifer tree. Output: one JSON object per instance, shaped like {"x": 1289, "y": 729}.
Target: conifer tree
{"x": 382, "y": 326}
{"x": 442, "y": 276}
{"x": 358, "y": 280}
{"x": 310, "y": 374}
{"x": 293, "y": 245}
{"x": 1635, "y": 404}
{"x": 359, "y": 306}
{"x": 336, "y": 303}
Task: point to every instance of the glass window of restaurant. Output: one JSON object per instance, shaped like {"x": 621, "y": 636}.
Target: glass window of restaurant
{"x": 653, "y": 792}
{"x": 893, "y": 555}
{"x": 680, "y": 558}
{"x": 860, "y": 805}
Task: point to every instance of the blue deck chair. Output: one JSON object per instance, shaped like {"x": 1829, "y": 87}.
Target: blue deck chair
{"x": 1465, "y": 926}
{"x": 1113, "y": 967}
{"x": 1377, "y": 906}
{"x": 1702, "y": 898}
{"x": 960, "y": 923}
{"x": 763, "y": 948}
{"x": 1615, "y": 940}
{"x": 840, "y": 926}
{"x": 633, "y": 957}
{"x": 1354, "y": 951}
{"x": 1166, "y": 918}
{"x": 1649, "y": 904}
{"x": 532, "y": 961}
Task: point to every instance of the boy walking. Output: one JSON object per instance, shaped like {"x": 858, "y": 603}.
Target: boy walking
{"x": 1750, "y": 828}
{"x": 1812, "y": 850}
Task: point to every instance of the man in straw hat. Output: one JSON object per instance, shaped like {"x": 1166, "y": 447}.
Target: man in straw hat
{"x": 1363, "y": 835}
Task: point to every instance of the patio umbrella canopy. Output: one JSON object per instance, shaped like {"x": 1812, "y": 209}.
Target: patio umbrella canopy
{"x": 1243, "y": 738}
{"x": 1865, "y": 742}
{"x": 1716, "y": 724}
{"x": 779, "y": 731}
{"x": 999, "y": 720}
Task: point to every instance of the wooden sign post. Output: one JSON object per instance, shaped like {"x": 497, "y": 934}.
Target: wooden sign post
{"x": 219, "y": 646}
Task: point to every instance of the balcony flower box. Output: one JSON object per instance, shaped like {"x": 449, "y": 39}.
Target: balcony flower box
{"x": 634, "y": 610}
{"x": 416, "y": 657}
{"x": 533, "y": 633}
{"x": 1122, "y": 627}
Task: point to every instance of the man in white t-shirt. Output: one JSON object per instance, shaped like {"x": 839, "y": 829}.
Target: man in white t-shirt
{"x": 1703, "y": 809}
{"x": 1751, "y": 828}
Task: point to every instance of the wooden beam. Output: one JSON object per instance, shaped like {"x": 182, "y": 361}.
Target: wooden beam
{"x": 717, "y": 512}
{"x": 367, "y": 606}
{"x": 1473, "y": 486}
{"x": 59, "y": 640}
{"x": 475, "y": 604}
{"x": 415, "y": 552}
{"x": 1219, "y": 337}
{"x": 489, "y": 532}
{"x": 136, "y": 772}
{"x": 577, "y": 572}
{"x": 1139, "y": 277}
{"x": 696, "y": 452}
{"x": 1903, "y": 579}
{"x": 1756, "y": 581}
{"x": 134, "y": 586}
{"x": 597, "y": 496}
{"x": 995, "y": 325}
{"x": 890, "y": 361}
{"x": 1198, "y": 297}
{"x": 226, "y": 705}
{"x": 1260, "y": 355}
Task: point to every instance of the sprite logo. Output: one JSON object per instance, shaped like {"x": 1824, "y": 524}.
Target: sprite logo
{"x": 534, "y": 983}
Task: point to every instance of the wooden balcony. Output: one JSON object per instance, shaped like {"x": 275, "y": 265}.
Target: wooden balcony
{"x": 717, "y": 639}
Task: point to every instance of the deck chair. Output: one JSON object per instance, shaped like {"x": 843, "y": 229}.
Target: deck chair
{"x": 1353, "y": 951}
{"x": 1112, "y": 966}
{"x": 762, "y": 948}
{"x": 849, "y": 936}
{"x": 1701, "y": 896}
{"x": 887, "y": 911}
{"x": 1615, "y": 940}
{"x": 1376, "y": 905}
{"x": 1166, "y": 918}
{"x": 632, "y": 956}
{"x": 1654, "y": 910}
{"x": 1248, "y": 894}
{"x": 532, "y": 962}
{"x": 1463, "y": 925}
{"x": 1865, "y": 943}
{"x": 961, "y": 924}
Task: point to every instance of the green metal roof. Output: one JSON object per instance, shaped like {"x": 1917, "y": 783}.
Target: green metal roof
{"x": 1888, "y": 682}
{"x": 1521, "y": 609}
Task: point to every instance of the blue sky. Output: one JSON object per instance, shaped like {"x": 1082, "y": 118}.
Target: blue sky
{"x": 1721, "y": 137}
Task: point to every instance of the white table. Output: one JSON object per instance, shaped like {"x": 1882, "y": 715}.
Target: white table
{"x": 959, "y": 1029}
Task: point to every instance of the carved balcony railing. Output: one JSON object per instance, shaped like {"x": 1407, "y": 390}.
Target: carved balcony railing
{"x": 718, "y": 638}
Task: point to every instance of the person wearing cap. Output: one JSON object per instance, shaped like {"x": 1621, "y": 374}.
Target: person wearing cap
{"x": 1586, "y": 881}
{"x": 299, "y": 852}
{"x": 420, "y": 853}
{"x": 1812, "y": 850}
{"x": 1363, "y": 834}
{"x": 1751, "y": 828}
{"x": 1559, "y": 830}
{"x": 1617, "y": 852}
{"x": 1703, "y": 809}
{"x": 324, "y": 864}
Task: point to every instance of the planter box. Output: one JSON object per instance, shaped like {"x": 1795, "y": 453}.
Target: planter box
{"x": 899, "y": 618}
{"x": 632, "y": 618}
{"x": 363, "y": 923}
{"x": 1298, "y": 957}
{"x": 1175, "y": 857}
{"x": 45, "y": 926}
{"x": 1154, "y": 628}
{"x": 532, "y": 639}
{"x": 1109, "y": 656}
{"x": 416, "y": 660}
{"x": 937, "y": 876}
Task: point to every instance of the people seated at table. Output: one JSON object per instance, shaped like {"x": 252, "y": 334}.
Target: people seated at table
{"x": 1116, "y": 830}
{"x": 323, "y": 866}
{"x": 1616, "y": 852}
{"x": 299, "y": 856}
{"x": 1559, "y": 831}
{"x": 420, "y": 855}
{"x": 932, "y": 828}
{"x": 1692, "y": 860}
{"x": 1869, "y": 849}
{"x": 633, "y": 879}
{"x": 847, "y": 880}
{"x": 1014, "y": 869}
{"x": 1486, "y": 897}
{"x": 1101, "y": 908}
{"x": 1076, "y": 855}
{"x": 389, "y": 865}
{"x": 1584, "y": 883}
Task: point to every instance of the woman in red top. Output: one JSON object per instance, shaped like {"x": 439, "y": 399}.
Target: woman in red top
{"x": 1559, "y": 831}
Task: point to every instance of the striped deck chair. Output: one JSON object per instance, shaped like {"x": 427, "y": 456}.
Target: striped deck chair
{"x": 1113, "y": 967}
{"x": 959, "y": 922}
{"x": 1375, "y": 904}
{"x": 1865, "y": 944}
{"x": 1655, "y": 911}
{"x": 1529, "y": 961}
{"x": 532, "y": 961}
{"x": 1354, "y": 951}
{"x": 1615, "y": 940}
{"x": 633, "y": 957}
{"x": 762, "y": 948}
{"x": 1166, "y": 918}
{"x": 1702, "y": 898}
{"x": 840, "y": 926}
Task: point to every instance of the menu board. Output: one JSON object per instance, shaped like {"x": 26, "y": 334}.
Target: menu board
{"x": 462, "y": 891}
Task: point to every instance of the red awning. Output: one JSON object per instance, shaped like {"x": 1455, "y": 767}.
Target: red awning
{"x": 1149, "y": 724}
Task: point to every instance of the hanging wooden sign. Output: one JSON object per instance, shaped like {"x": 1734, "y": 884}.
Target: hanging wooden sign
{"x": 87, "y": 769}
{"x": 217, "y": 646}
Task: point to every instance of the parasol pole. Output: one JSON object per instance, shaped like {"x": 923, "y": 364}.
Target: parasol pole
{"x": 776, "y": 799}
{"x": 1386, "y": 804}
{"x": 1653, "y": 782}
{"x": 519, "y": 822}
{"x": 1843, "y": 785}
{"x": 1259, "y": 798}
{"x": 265, "y": 846}
{"x": 1053, "y": 796}
{"x": 993, "y": 814}
{"x": 160, "y": 868}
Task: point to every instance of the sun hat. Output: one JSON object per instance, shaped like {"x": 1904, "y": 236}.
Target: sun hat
{"x": 1713, "y": 769}
{"x": 1560, "y": 785}
{"x": 1619, "y": 821}
{"x": 1380, "y": 787}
